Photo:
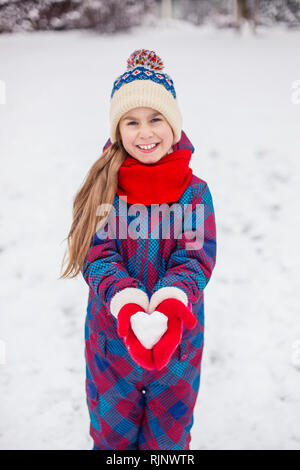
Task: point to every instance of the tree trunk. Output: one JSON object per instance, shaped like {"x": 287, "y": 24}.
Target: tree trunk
{"x": 246, "y": 10}
{"x": 166, "y": 9}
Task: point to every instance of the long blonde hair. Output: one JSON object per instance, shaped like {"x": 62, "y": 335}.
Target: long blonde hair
{"x": 99, "y": 187}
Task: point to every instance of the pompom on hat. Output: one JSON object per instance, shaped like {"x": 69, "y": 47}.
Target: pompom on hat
{"x": 144, "y": 84}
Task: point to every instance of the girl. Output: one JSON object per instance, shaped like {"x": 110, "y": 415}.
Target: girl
{"x": 145, "y": 314}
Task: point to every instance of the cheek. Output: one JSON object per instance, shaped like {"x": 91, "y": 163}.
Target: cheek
{"x": 127, "y": 138}
{"x": 167, "y": 133}
{"x": 168, "y": 138}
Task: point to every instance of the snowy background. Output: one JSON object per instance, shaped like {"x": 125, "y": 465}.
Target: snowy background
{"x": 241, "y": 113}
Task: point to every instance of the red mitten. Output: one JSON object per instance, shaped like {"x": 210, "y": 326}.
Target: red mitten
{"x": 141, "y": 355}
{"x": 124, "y": 315}
{"x": 178, "y": 314}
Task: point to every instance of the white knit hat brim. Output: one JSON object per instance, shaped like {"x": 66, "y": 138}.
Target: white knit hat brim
{"x": 145, "y": 93}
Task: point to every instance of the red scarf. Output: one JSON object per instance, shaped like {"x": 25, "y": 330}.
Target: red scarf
{"x": 155, "y": 183}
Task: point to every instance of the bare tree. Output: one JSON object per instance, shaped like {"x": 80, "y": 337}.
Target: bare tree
{"x": 246, "y": 10}
{"x": 166, "y": 8}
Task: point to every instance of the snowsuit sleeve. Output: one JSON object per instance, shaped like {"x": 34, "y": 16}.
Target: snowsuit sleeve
{"x": 106, "y": 275}
{"x": 190, "y": 266}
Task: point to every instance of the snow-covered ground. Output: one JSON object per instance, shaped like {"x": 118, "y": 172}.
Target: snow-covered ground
{"x": 235, "y": 93}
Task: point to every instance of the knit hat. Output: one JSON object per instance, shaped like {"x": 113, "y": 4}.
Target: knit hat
{"x": 144, "y": 84}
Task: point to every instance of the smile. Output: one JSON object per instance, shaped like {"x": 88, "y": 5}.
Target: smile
{"x": 147, "y": 148}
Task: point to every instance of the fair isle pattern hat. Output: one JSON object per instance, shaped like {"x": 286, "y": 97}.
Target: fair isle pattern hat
{"x": 144, "y": 84}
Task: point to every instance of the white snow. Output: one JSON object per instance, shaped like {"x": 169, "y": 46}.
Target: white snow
{"x": 235, "y": 93}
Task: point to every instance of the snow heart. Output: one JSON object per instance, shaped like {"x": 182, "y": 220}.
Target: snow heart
{"x": 149, "y": 327}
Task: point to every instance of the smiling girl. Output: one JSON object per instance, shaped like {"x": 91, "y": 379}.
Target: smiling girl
{"x": 145, "y": 316}
{"x": 146, "y": 134}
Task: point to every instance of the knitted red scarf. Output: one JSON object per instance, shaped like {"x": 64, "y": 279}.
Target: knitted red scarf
{"x": 155, "y": 183}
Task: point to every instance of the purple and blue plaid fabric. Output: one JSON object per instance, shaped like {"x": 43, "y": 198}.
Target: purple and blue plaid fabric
{"x": 130, "y": 407}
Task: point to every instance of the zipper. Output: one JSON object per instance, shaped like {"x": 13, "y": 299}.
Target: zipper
{"x": 147, "y": 248}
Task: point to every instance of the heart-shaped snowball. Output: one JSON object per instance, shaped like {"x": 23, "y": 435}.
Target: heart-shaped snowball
{"x": 149, "y": 328}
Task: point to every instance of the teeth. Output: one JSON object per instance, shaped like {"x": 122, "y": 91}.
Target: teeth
{"x": 147, "y": 147}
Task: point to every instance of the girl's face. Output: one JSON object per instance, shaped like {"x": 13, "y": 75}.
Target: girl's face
{"x": 141, "y": 127}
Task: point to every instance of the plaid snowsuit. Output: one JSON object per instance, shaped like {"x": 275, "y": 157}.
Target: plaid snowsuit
{"x": 131, "y": 407}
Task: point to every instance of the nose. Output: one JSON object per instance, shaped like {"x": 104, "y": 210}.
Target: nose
{"x": 145, "y": 131}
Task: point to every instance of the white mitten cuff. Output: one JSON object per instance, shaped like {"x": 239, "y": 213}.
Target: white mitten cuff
{"x": 167, "y": 293}
{"x": 127, "y": 296}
